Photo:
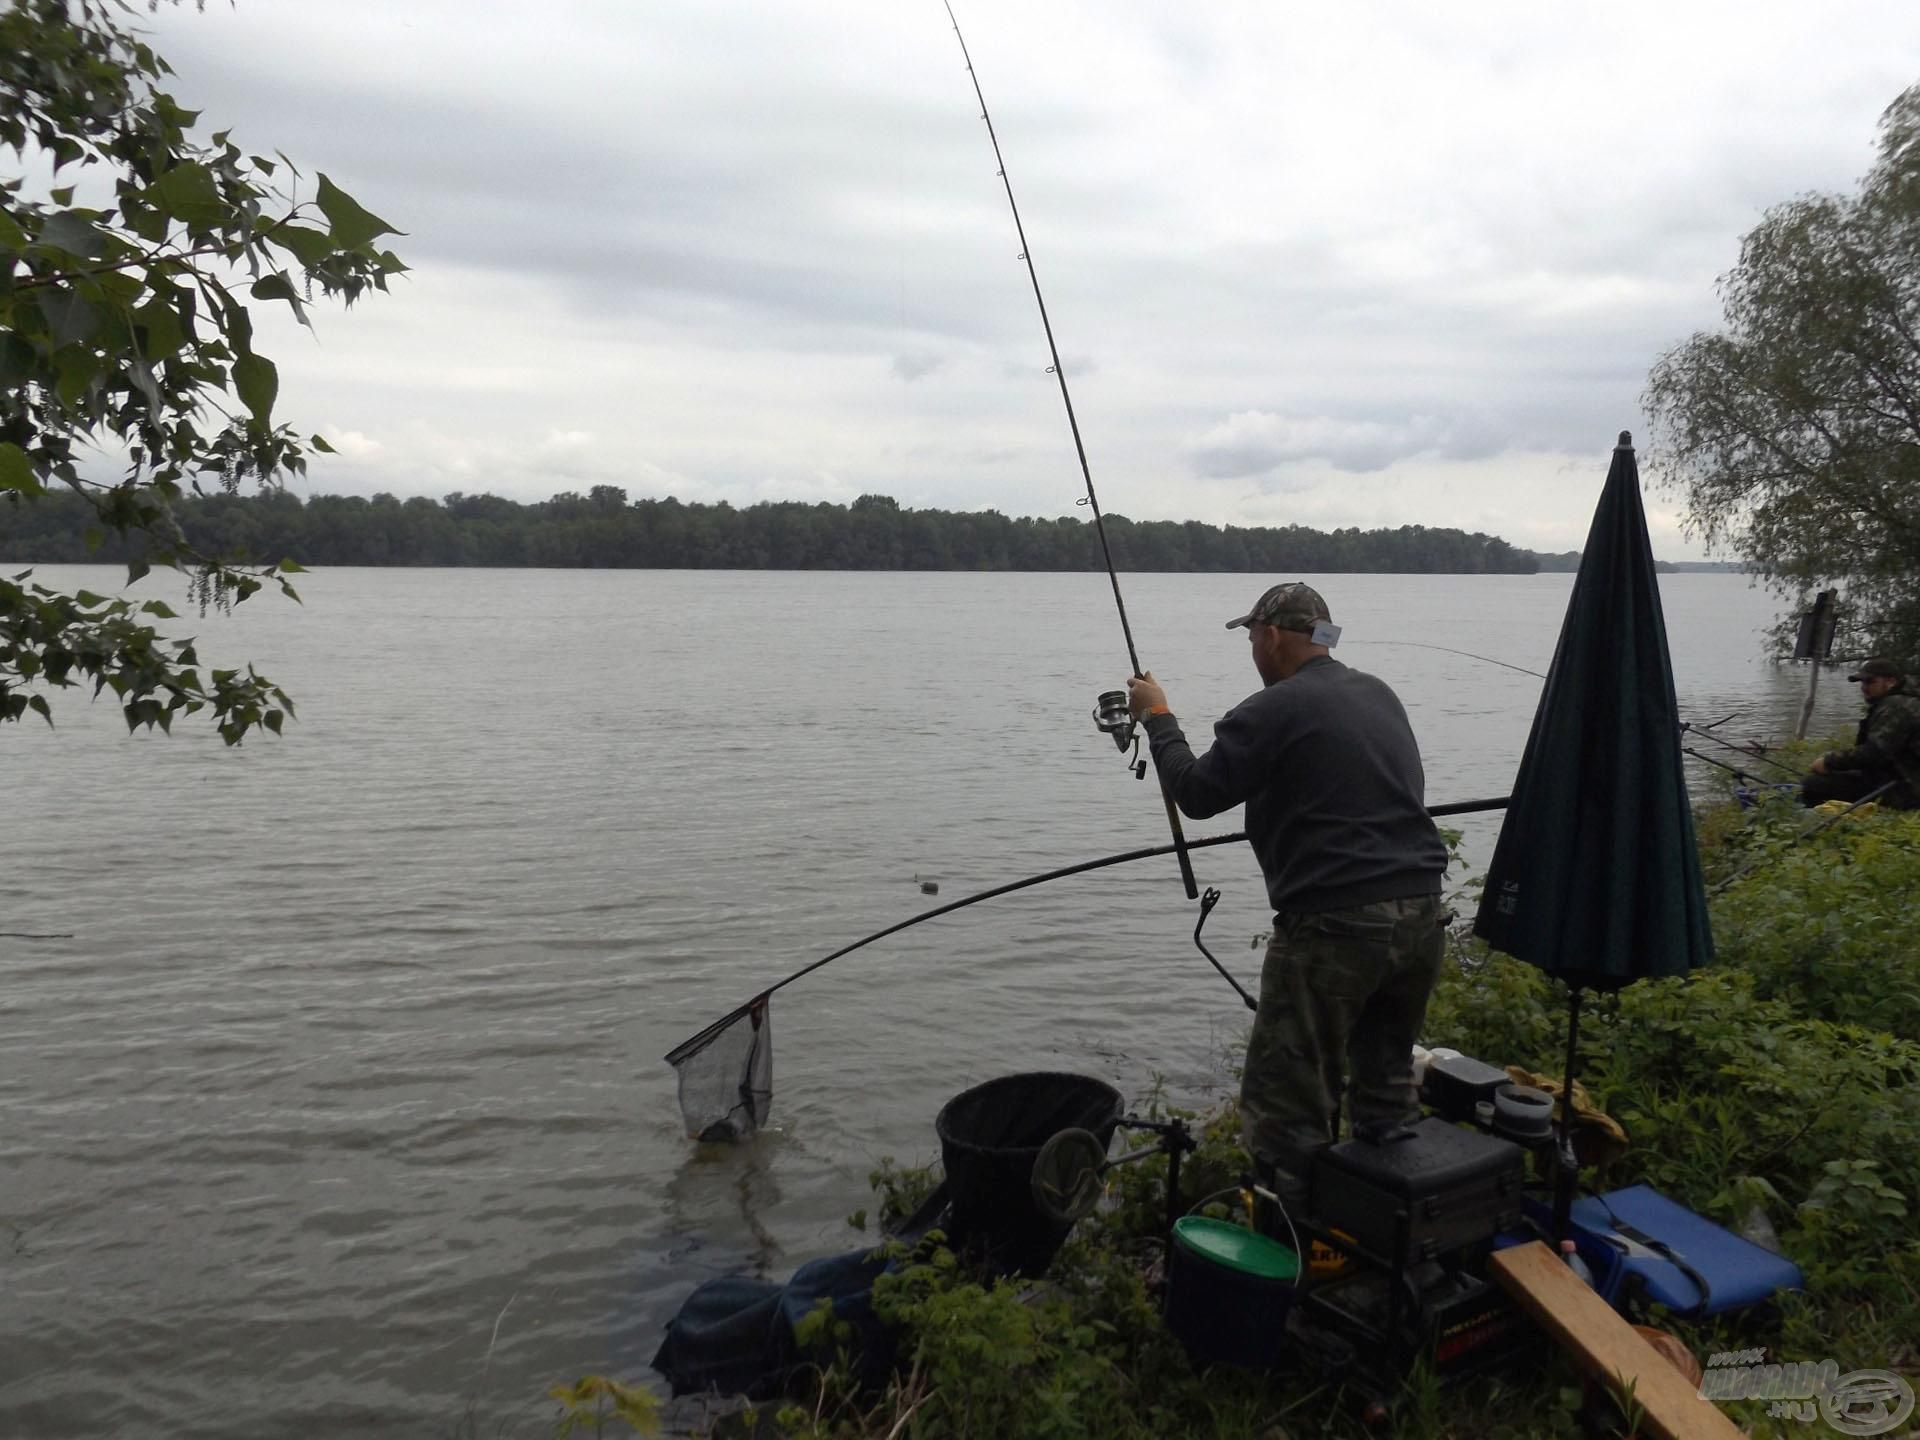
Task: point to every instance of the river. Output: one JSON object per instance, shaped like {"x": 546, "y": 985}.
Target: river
{"x": 342, "y": 1109}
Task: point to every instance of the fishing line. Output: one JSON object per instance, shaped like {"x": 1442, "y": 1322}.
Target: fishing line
{"x": 1059, "y": 372}
{"x": 1703, "y": 731}
{"x": 1423, "y": 645}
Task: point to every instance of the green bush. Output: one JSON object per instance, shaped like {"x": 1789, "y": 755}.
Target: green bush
{"x": 1784, "y": 1078}
{"x": 1783, "y": 1081}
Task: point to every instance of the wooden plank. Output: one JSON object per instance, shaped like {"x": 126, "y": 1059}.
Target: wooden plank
{"x": 1605, "y": 1346}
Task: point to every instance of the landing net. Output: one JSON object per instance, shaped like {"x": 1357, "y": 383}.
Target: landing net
{"x": 726, "y": 1074}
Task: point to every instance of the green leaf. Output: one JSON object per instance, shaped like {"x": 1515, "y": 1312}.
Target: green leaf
{"x": 188, "y": 193}
{"x": 160, "y": 608}
{"x": 274, "y": 287}
{"x": 137, "y": 570}
{"x": 140, "y": 375}
{"x": 272, "y": 720}
{"x": 78, "y": 367}
{"x": 319, "y": 443}
{"x": 291, "y": 567}
{"x": 16, "y": 474}
{"x": 349, "y": 225}
{"x": 310, "y": 247}
{"x": 238, "y": 325}
{"x": 87, "y": 599}
{"x": 73, "y": 232}
{"x": 257, "y": 382}
{"x": 39, "y": 703}
{"x": 164, "y": 335}
{"x": 70, "y": 318}
{"x": 12, "y": 237}
{"x": 149, "y": 223}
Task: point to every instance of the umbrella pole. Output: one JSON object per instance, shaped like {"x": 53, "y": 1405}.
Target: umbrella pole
{"x": 1566, "y": 1170}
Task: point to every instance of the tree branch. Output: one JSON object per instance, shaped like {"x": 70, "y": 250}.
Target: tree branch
{"x": 154, "y": 257}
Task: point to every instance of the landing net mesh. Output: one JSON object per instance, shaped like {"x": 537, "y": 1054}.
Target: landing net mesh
{"x": 726, "y": 1074}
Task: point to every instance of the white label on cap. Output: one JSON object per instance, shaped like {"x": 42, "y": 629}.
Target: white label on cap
{"x": 1326, "y": 633}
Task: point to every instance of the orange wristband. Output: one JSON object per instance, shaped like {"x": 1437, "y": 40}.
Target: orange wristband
{"x": 1158, "y": 710}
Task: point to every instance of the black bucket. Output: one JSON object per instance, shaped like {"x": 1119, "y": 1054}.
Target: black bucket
{"x": 989, "y": 1138}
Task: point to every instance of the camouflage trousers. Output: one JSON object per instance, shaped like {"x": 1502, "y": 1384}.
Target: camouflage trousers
{"x": 1343, "y": 993}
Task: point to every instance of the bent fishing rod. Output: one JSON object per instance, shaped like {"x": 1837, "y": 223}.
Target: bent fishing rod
{"x": 693, "y": 1042}
{"x": 1092, "y": 501}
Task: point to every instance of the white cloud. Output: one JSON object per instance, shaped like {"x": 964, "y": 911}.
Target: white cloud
{"x": 1255, "y": 442}
{"x": 353, "y": 445}
{"x": 1315, "y": 265}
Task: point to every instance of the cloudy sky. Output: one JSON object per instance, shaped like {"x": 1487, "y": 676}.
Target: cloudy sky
{"x": 1356, "y": 264}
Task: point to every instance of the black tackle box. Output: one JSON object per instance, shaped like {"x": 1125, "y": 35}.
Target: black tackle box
{"x": 1429, "y": 1190}
{"x": 1456, "y": 1083}
{"x": 1457, "y": 1321}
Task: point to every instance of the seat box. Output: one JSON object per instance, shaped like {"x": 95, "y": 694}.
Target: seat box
{"x": 1432, "y": 1189}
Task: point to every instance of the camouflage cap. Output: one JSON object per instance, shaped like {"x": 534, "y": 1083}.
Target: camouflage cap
{"x": 1876, "y": 669}
{"x": 1292, "y": 606}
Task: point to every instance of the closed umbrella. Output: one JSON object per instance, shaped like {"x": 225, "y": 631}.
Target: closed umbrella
{"x": 1596, "y": 877}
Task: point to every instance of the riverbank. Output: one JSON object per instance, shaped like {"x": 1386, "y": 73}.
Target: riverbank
{"x": 1778, "y": 1088}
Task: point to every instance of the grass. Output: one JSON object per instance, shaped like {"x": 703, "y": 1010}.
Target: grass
{"x": 1780, "y": 1084}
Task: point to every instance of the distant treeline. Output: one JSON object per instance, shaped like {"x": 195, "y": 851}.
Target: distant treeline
{"x": 1568, "y": 561}
{"x": 603, "y": 529}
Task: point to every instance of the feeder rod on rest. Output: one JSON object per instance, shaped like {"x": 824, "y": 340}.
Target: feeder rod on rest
{"x": 1457, "y": 807}
{"x": 1180, "y": 846}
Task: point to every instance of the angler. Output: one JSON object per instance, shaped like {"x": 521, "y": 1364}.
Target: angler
{"x": 1886, "y": 752}
{"x": 1325, "y": 761}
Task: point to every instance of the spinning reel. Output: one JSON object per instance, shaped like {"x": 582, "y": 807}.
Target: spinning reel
{"x": 1112, "y": 716}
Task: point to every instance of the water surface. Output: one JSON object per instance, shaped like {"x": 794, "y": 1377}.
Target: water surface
{"x": 351, "y": 1068}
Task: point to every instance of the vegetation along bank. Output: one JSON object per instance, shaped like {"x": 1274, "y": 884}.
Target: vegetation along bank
{"x": 1778, "y": 1087}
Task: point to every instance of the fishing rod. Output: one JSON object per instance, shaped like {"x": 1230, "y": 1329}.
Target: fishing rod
{"x": 1059, "y": 372}
{"x": 1806, "y": 834}
{"x": 694, "y": 1043}
{"x": 1733, "y": 770}
{"x": 1702, "y": 732}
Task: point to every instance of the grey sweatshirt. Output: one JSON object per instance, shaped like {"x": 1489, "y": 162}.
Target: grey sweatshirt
{"x": 1336, "y": 799}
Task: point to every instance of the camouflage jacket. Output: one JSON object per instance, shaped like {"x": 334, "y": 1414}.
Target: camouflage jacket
{"x": 1889, "y": 740}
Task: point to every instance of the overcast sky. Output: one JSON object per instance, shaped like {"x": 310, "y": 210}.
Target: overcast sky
{"x": 1355, "y": 264}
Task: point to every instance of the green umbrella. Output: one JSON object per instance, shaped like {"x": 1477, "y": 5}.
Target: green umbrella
{"x": 1596, "y": 878}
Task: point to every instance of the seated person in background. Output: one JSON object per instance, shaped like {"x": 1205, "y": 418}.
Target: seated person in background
{"x": 1887, "y": 749}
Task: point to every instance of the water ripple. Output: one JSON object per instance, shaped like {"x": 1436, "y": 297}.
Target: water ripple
{"x": 354, "y": 1057}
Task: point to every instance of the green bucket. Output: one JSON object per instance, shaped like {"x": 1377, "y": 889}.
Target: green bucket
{"x": 1228, "y": 1292}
